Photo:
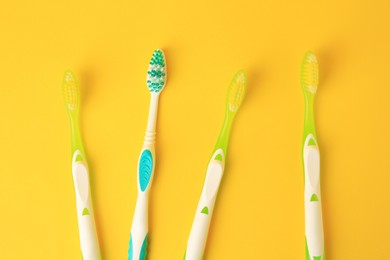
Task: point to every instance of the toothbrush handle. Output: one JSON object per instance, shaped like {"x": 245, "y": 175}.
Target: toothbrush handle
{"x": 199, "y": 231}
{"x": 87, "y": 229}
{"x": 88, "y": 235}
{"x": 314, "y": 229}
{"x": 313, "y": 205}
{"x": 200, "y": 227}
{"x": 139, "y": 229}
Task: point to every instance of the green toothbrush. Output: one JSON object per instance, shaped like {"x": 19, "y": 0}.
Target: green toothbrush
{"x": 198, "y": 236}
{"x": 311, "y": 162}
{"x": 88, "y": 237}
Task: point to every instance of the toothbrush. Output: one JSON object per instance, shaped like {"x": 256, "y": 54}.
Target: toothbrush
{"x": 155, "y": 81}
{"x": 198, "y": 235}
{"x": 311, "y": 162}
{"x": 88, "y": 236}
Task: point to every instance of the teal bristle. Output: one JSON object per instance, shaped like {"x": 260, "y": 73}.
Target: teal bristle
{"x": 156, "y": 77}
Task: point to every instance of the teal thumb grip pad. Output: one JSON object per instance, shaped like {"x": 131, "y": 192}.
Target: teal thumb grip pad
{"x": 145, "y": 169}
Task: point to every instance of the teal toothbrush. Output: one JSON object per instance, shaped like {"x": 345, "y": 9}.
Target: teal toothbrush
{"x": 156, "y": 79}
{"x": 88, "y": 236}
{"x": 314, "y": 231}
{"x": 198, "y": 235}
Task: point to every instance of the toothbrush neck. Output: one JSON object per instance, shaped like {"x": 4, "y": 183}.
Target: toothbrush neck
{"x": 309, "y": 125}
{"x": 224, "y": 135}
{"x": 152, "y": 119}
{"x": 75, "y": 135}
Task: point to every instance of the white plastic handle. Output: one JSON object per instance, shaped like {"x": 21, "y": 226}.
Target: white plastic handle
{"x": 313, "y": 206}
{"x": 88, "y": 236}
{"x": 139, "y": 227}
{"x": 200, "y": 227}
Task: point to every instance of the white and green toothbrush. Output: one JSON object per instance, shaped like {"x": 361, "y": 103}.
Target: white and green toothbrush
{"x": 88, "y": 236}
{"x": 155, "y": 80}
{"x": 314, "y": 231}
{"x": 198, "y": 235}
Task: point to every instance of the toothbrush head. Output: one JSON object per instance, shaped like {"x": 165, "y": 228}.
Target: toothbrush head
{"x": 236, "y": 92}
{"x": 309, "y": 73}
{"x": 71, "y": 91}
{"x": 156, "y": 77}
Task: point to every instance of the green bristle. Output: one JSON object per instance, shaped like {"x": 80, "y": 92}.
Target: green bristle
{"x": 156, "y": 77}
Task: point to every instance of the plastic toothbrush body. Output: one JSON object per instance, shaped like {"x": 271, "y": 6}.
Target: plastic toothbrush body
{"x": 311, "y": 163}
{"x": 87, "y": 229}
{"x": 199, "y": 231}
{"x": 139, "y": 230}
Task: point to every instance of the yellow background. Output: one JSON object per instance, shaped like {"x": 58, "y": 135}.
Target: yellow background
{"x": 259, "y": 211}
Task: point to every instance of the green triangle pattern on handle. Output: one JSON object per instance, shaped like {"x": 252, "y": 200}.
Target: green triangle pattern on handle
{"x": 218, "y": 157}
{"x": 85, "y": 212}
{"x": 312, "y": 142}
{"x": 205, "y": 210}
{"x": 79, "y": 158}
{"x": 314, "y": 197}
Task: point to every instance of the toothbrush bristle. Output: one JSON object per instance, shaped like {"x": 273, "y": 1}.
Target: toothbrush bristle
{"x": 236, "y": 91}
{"x": 309, "y": 72}
{"x": 156, "y": 77}
{"x": 70, "y": 90}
